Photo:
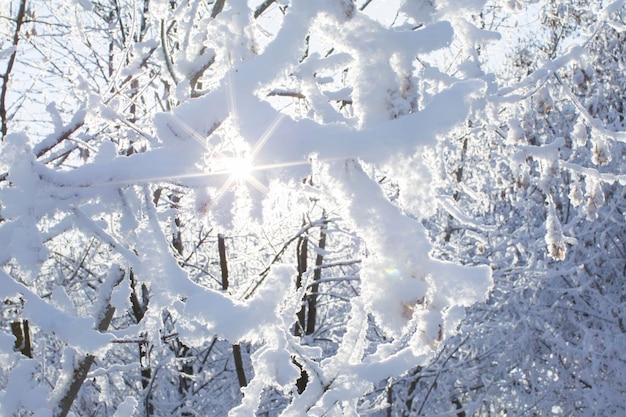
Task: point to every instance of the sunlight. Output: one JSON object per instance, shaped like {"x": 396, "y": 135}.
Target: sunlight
{"x": 230, "y": 160}
{"x": 239, "y": 168}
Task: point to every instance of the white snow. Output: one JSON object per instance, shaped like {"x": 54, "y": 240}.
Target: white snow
{"x": 416, "y": 301}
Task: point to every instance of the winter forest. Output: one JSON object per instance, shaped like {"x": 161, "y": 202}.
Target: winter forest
{"x": 312, "y": 208}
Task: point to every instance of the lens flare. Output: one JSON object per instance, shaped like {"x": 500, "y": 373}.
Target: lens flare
{"x": 239, "y": 168}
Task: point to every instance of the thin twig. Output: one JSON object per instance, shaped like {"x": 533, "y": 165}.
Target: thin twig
{"x": 168, "y": 62}
{"x": 279, "y": 255}
{"x": 367, "y": 3}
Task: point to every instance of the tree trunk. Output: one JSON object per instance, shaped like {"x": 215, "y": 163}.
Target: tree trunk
{"x": 241, "y": 374}
{"x": 302, "y": 255}
{"x": 317, "y": 274}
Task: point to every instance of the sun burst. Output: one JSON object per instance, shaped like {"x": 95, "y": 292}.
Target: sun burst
{"x": 239, "y": 168}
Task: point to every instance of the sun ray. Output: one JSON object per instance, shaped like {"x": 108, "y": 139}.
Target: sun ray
{"x": 247, "y": 175}
{"x": 165, "y": 178}
{"x": 277, "y": 165}
{"x": 234, "y": 163}
{"x": 266, "y": 135}
{"x": 231, "y": 98}
{"x": 258, "y": 185}
{"x": 223, "y": 189}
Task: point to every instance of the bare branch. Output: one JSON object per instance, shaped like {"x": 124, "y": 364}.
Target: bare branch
{"x": 367, "y": 3}
{"x": 54, "y": 139}
{"x": 280, "y": 253}
{"x": 217, "y": 8}
{"x": 223, "y": 265}
{"x": 241, "y": 374}
{"x": 168, "y": 61}
{"x": 262, "y": 8}
{"x": 81, "y": 369}
{"x": 7, "y": 74}
{"x": 317, "y": 275}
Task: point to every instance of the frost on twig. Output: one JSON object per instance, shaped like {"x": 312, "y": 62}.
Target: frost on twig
{"x": 555, "y": 240}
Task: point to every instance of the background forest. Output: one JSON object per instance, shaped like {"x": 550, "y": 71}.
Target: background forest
{"x": 324, "y": 208}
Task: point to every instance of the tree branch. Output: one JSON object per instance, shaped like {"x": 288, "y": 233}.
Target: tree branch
{"x": 241, "y": 374}
{"x": 317, "y": 275}
{"x": 217, "y": 8}
{"x": 223, "y": 265}
{"x": 278, "y": 255}
{"x": 81, "y": 369}
{"x": 262, "y": 8}
{"x": 168, "y": 61}
{"x": 7, "y": 74}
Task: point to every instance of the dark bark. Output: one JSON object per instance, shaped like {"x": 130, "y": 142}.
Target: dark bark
{"x": 303, "y": 380}
{"x": 241, "y": 374}
{"x": 19, "y": 20}
{"x": 459, "y": 406}
{"x": 262, "y": 8}
{"x": 81, "y": 370}
{"x": 82, "y": 366}
{"x": 221, "y": 246}
{"x": 139, "y": 306}
{"x": 21, "y": 332}
{"x": 177, "y": 239}
{"x": 302, "y": 256}
{"x": 218, "y": 6}
{"x": 317, "y": 274}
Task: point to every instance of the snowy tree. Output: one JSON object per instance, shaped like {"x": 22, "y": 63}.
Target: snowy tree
{"x": 285, "y": 208}
{"x": 550, "y": 189}
{"x": 202, "y": 228}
